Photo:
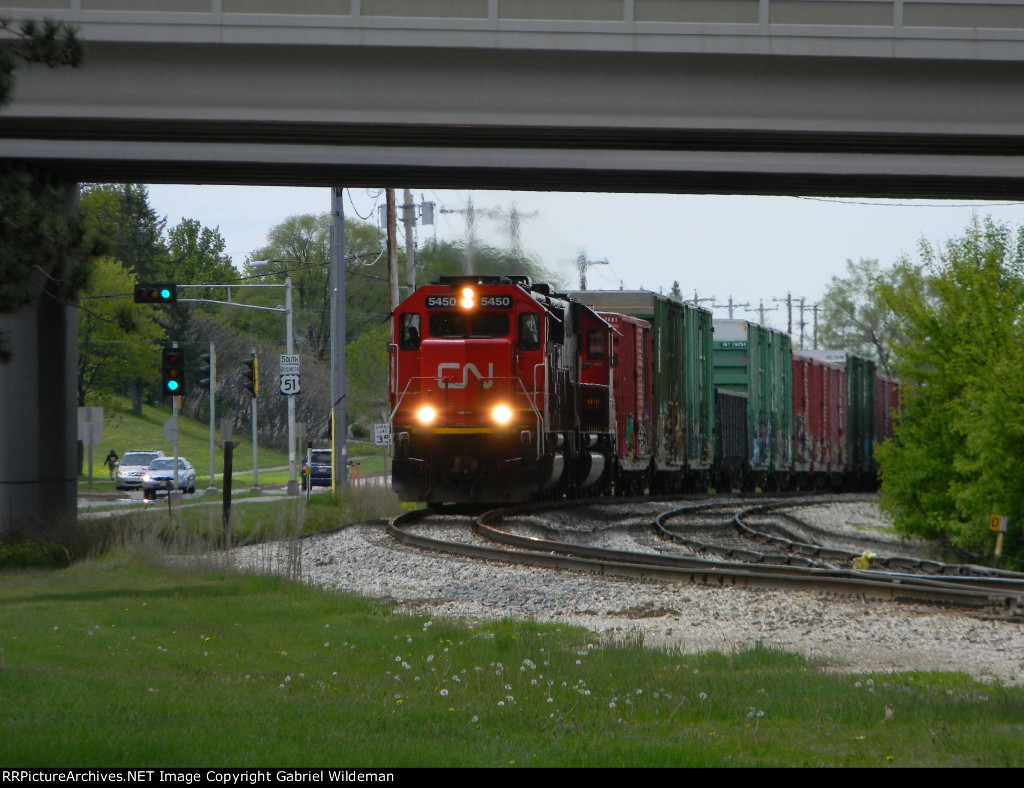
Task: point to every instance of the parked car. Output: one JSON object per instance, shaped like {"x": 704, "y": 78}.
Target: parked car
{"x": 161, "y": 471}
{"x": 317, "y": 471}
{"x": 133, "y": 465}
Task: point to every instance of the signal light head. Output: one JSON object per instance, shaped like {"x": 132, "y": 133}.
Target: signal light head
{"x": 156, "y": 294}
{"x": 172, "y": 369}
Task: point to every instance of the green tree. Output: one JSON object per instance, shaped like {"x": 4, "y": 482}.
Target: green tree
{"x": 959, "y": 450}
{"x": 197, "y": 254}
{"x": 854, "y": 315}
{"x": 117, "y": 339}
{"x": 42, "y": 245}
{"x": 120, "y": 217}
{"x": 299, "y": 247}
{"x": 366, "y": 375}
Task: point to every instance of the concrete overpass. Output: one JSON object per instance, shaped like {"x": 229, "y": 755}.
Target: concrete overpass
{"x": 911, "y": 98}
{"x": 855, "y": 97}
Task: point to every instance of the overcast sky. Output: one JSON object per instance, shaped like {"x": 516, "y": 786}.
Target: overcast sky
{"x": 750, "y": 248}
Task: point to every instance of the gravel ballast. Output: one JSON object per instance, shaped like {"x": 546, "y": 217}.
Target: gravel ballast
{"x": 844, "y": 634}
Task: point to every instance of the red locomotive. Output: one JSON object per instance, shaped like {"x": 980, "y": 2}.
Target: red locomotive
{"x": 500, "y": 390}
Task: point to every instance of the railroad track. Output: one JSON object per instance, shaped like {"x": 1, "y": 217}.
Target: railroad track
{"x": 777, "y": 562}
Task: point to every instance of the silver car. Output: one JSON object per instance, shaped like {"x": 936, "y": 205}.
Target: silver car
{"x": 133, "y": 465}
{"x": 161, "y": 473}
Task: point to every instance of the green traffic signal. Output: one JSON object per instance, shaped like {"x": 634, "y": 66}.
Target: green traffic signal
{"x": 156, "y": 294}
{"x": 172, "y": 371}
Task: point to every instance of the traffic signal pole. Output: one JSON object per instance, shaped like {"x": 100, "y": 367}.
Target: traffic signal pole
{"x": 174, "y": 413}
{"x": 293, "y": 484}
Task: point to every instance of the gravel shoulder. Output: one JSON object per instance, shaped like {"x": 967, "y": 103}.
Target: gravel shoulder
{"x": 841, "y": 634}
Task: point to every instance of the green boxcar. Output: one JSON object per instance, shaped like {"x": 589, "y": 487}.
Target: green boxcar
{"x": 681, "y": 379}
{"x": 757, "y": 361}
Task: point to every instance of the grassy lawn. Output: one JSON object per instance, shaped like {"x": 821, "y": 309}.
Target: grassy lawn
{"x": 123, "y": 431}
{"x": 121, "y": 661}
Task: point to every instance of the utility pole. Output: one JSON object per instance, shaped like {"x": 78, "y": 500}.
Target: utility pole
{"x": 393, "y": 295}
{"x": 582, "y": 264}
{"x": 730, "y": 306}
{"x": 802, "y": 323}
{"x": 814, "y": 310}
{"x": 788, "y": 300}
{"x": 697, "y": 301}
{"x": 338, "y": 405}
{"x": 412, "y": 213}
{"x": 761, "y": 309}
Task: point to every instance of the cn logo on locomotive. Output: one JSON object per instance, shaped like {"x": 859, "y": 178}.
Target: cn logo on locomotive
{"x": 465, "y": 375}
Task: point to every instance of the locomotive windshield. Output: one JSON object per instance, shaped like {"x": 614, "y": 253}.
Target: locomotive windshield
{"x": 457, "y": 325}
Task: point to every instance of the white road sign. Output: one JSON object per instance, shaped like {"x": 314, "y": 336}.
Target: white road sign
{"x": 290, "y": 384}
{"x": 289, "y": 364}
{"x": 381, "y": 435}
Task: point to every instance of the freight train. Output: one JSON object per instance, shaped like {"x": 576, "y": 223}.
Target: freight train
{"x": 502, "y": 391}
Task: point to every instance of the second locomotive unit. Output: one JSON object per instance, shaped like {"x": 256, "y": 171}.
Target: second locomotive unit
{"x": 500, "y": 391}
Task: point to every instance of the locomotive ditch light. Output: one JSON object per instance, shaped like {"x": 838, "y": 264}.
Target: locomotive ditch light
{"x": 426, "y": 414}
{"x": 468, "y": 300}
{"x": 502, "y": 414}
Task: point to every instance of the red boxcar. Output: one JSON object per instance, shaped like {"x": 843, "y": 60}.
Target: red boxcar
{"x": 819, "y": 419}
{"x": 631, "y": 382}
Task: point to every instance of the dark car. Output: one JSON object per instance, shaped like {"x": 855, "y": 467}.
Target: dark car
{"x": 317, "y": 470}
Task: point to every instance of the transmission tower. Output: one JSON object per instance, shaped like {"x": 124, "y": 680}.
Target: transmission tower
{"x": 513, "y": 217}
{"x": 582, "y": 264}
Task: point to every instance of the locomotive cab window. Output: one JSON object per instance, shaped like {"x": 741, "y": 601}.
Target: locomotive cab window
{"x": 595, "y": 344}
{"x": 456, "y": 325}
{"x": 529, "y": 331}
{"x": 409, "y": 334}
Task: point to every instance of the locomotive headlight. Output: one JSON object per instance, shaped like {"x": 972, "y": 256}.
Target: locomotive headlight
{"x": 426, "y": 414}
{"x": 502, "y": 414}
{"x": 468, "y": 298}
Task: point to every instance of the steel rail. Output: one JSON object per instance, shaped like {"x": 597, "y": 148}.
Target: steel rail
{"x": 534, "y": 551}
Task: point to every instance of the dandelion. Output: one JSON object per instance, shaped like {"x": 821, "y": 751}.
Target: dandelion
{"x": 444, "y": 693}
{"x": 703, "y": 696}
{"x": 475, "y": 719}
{"x": 430, "y": 659}
{"x": 611, "y": 705}
{"x": 501, "y": 703}
{"x": 287, "y": 679}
